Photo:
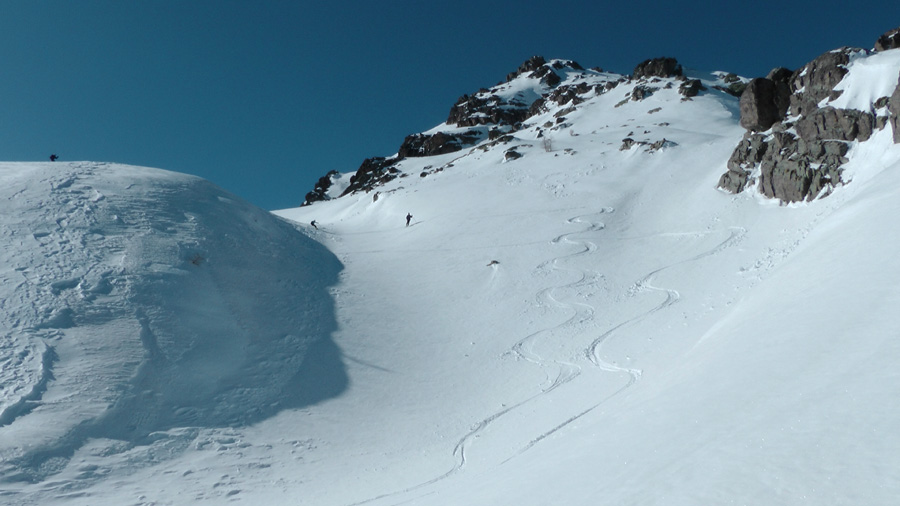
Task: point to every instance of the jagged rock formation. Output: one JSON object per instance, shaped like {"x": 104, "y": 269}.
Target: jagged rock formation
{"x": 796, "y": 143}
{"x": 320, "y": 191}
{"x": 428, "y": 145}
{"x": 373, "y": 172}
{"x": 765, "y": 100}
{"x": 890, "y": 40}
{"x": 658, "y": 67}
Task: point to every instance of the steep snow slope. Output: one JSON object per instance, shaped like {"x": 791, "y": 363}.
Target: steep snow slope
{"x": 136, "y": 301}
{"x": 581, "y": 324}
{"x": 643, "y": 339}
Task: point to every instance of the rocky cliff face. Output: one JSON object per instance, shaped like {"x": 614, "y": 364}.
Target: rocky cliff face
{"x": 796, "y": 141}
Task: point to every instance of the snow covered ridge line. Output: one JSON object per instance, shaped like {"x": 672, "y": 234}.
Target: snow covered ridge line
{"x": 802, "y": 124}
{"x": 491, "y": 116}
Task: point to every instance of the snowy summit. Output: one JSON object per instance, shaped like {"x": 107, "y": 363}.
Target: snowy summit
{"x": 583, "y": 288}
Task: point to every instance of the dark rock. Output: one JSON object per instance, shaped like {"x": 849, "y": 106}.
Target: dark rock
{"x": 417, "y": 145}
{"x": 658, "y": 67}
{"x": 512, "y": 154}
{"x": 640, "y": 92}
{"x": 788, "y": 180}
{"x": 662, "y": 143}
{"x": 562, "y": 112}
{"x": 373, "y": 172}
{"x": 782, "y": 79}
{"x": 736, "y": 85}
{"x": 806, "y": 165}
{"x": 530, "y": 65}
{"x": 816, "y": 80}
{"x": 829, "y": 123}
{"x": 551, "y": 79}
{"x": 486, "y": 110}
{"x": 791, "y": 169}
{"x": 766, "y": 100}
{"x": 691, "y": 88}
{"x": 733, "y": 182}
{"x": 780, "y": 75}
{"x": 627, "y": 143}
{"x": 320, "y": 191}
{"x": 566, "y": 94}
{"x": 894, "y": 108}
{"x": 758, "y": 109}
{"x": 890, "y": 40}
{"x": 748, "y": 153}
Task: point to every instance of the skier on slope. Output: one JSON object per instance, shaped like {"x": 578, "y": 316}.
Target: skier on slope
{"x": 53, "y": 157}
{"x": 313, "y": 223}
{"x": 408, "y": 217}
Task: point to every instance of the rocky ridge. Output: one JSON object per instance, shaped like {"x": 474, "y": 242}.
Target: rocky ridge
{"x": 537, "y": 87}
{"x": 797, "y": 141}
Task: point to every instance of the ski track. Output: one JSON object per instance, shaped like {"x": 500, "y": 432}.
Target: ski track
{"x": 562, "y": 371}
{"x": 592, "y": 352}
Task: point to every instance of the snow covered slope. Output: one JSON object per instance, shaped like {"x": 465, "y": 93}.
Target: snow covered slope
{"x": 136, "y": 301}
{"x": 586, "y": 321}
{"x": 585, "y": 324}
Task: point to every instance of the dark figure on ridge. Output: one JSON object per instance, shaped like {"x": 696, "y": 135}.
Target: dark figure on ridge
{"x": 408, "y": 217}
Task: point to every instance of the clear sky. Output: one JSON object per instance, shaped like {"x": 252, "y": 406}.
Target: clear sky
{"x": 262, "y": 98}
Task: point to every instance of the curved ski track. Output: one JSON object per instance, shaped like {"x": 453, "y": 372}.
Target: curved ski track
{"x": 565, "y": 371}
{"x": 593, "y": 350}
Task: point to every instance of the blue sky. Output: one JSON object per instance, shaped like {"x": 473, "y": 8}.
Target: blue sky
{"x": 262, "y": 98}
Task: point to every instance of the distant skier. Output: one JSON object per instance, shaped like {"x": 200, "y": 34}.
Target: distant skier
{"x": 313, "y": 223}
{"x": 53, "y": 157}
{"x": 408, "y": 217}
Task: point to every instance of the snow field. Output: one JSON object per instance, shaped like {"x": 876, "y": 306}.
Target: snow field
{"x": 581, "y": 325}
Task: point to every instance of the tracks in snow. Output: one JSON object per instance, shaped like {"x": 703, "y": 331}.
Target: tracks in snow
{"x": 592, "y": 352}
{"x": 563, "y": 369}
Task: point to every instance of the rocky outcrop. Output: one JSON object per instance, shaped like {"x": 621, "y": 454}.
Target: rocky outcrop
{"x": 691, "y": 88}
{"x": 735, "y": 86}
{"x": 793, "y": 170}
{"x": 890, "y": 40}
{"x": 829, "y": 123}
{"x": 765, "y": 100}
{"x": 816, "y": 80}
{"x": 796, "y": 143}
{"x": 417, "y": 145}
{"x": 658, "y": 67}
{"x": 320, "y": 191}
{"x": 530, "y": 65}
{"x": 373, "y": 172}
{"x": 894, "y": 107}
{"x": 758, "y": 110}
{"x": 487, "y": 109}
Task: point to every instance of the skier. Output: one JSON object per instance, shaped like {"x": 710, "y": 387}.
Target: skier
{"x": 53, "y": 157}
{"x": 408, "y": 217}
{"x": 313, "y": 223}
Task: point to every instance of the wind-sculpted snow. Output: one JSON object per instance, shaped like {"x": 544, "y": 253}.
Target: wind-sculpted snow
{"x": 577, "y": 324}
{"x": 137, "y": 301}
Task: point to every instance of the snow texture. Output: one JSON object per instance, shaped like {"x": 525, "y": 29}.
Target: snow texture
{"x": 580, "y": 325}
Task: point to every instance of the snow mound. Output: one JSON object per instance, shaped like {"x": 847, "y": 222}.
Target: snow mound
{"x": 137, "y": 300}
